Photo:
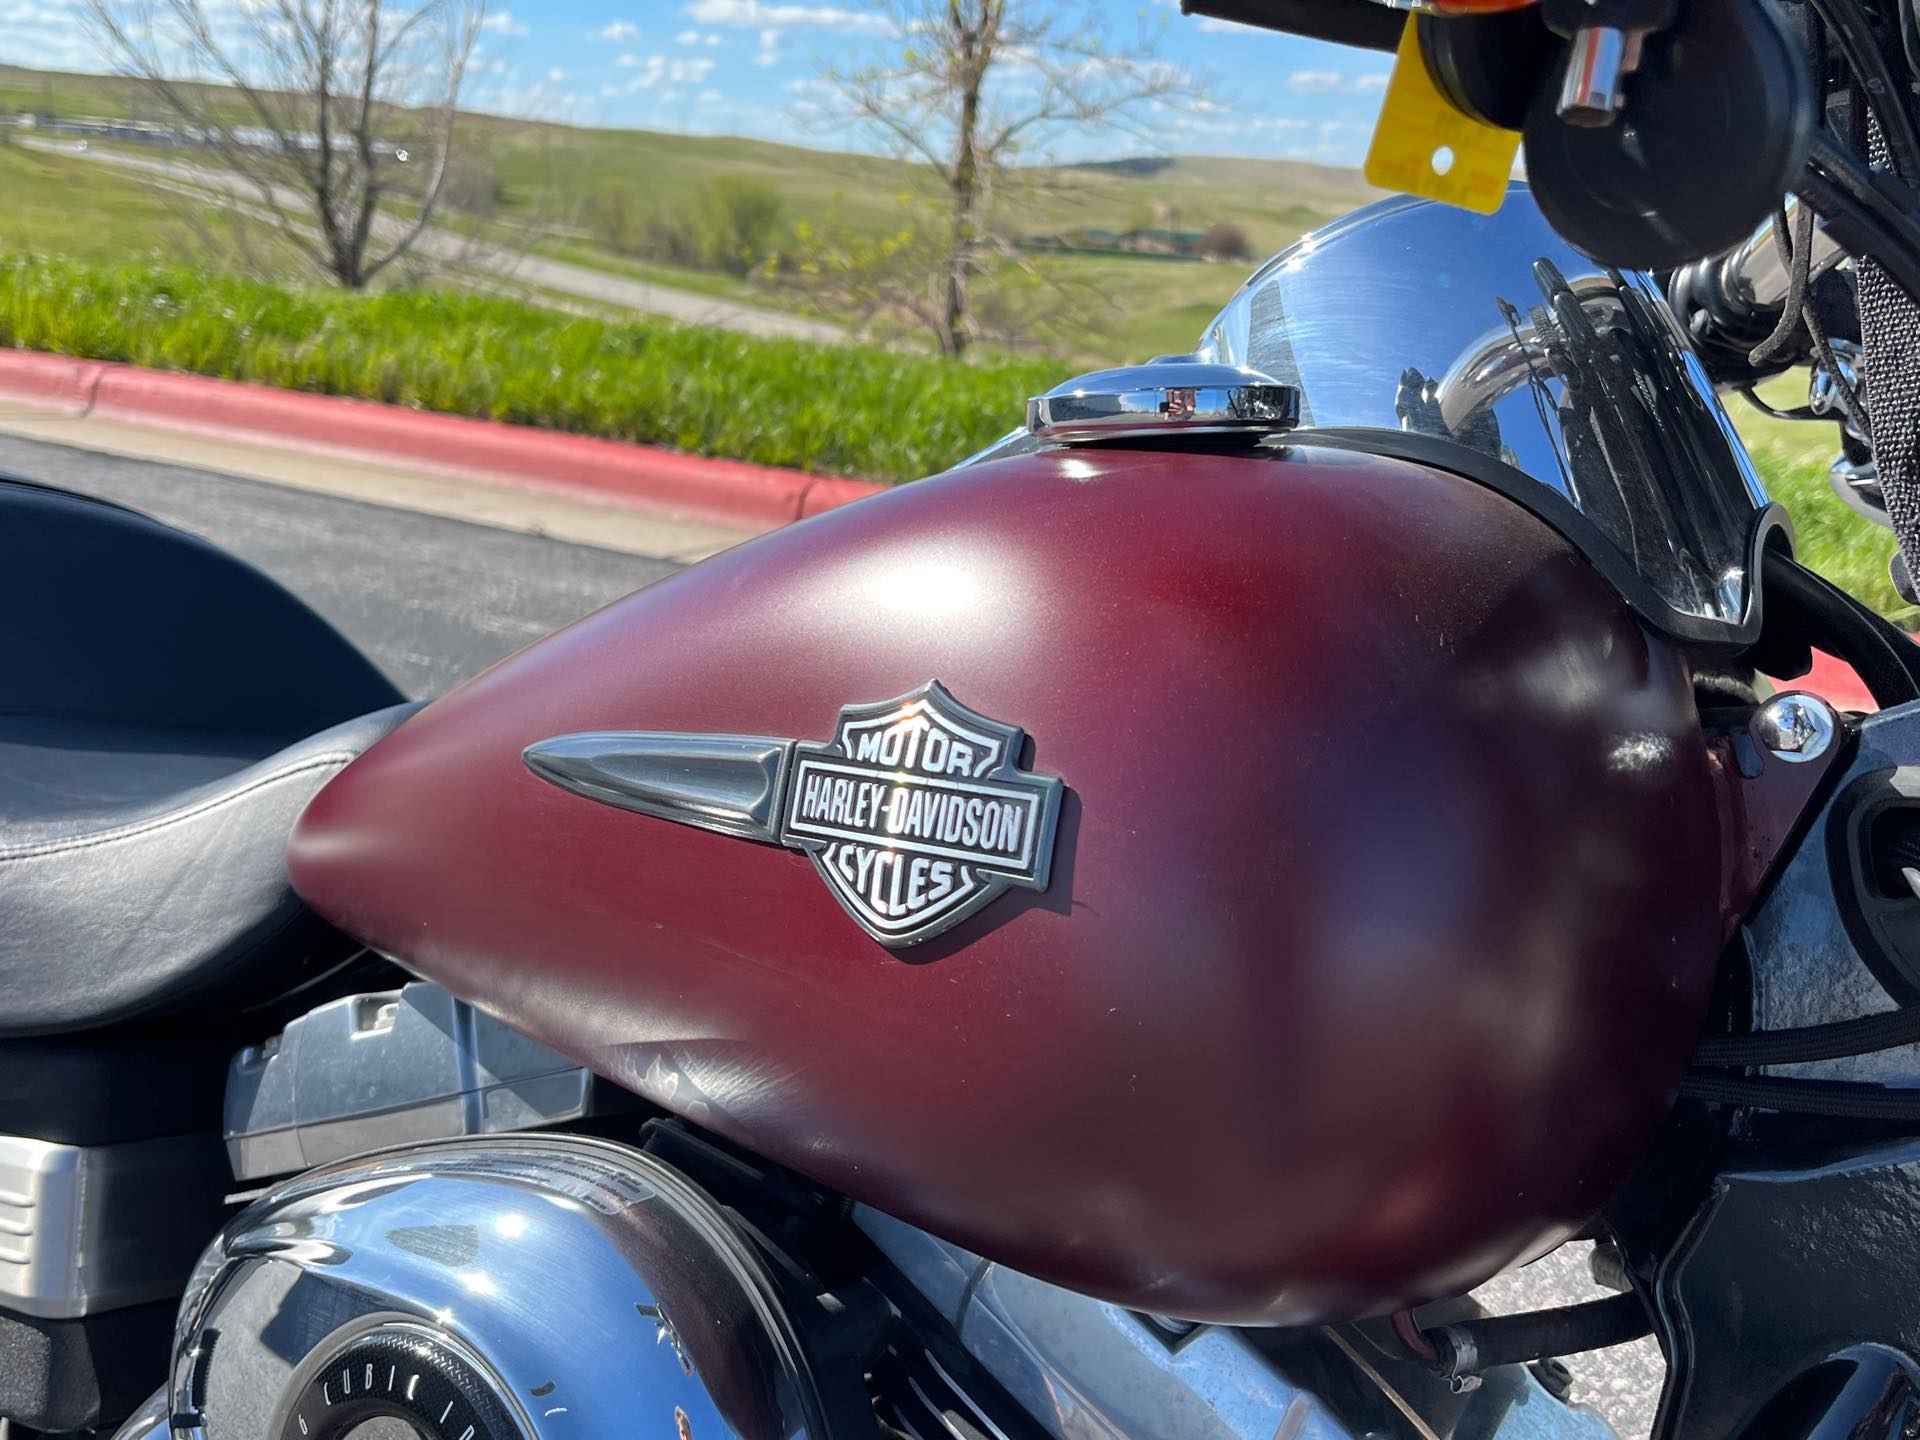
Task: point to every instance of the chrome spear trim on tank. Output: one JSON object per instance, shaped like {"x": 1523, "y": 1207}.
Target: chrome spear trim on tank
{"x": 916, "y": 813}
{"x": 728, "y": 783}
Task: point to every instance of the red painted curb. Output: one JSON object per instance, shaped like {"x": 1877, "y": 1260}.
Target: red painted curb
{"x": 491, "y": 451}
{"x": 49, "y": 382}
{"x": 1834, "y": 681}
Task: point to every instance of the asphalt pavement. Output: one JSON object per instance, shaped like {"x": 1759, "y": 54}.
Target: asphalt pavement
{"x": 431, "y": 600}
{"x": 435, "y": 600}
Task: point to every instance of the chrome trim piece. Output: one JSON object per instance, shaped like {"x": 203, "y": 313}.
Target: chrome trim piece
{"x": 87, "y": 1229}
{"x": 1753, "y": 273}
{"x": 1173, "y": 395}
{"x": 1596, "y": 65}
{"x": 150, "y": 1422}
{"x": 727, "y": 783}
{"x": 1857, "y": 483}
{"x": 389, "y": 1068}
{"x": 597, "y": 1291}
{"x": 916, "y": 814}
{"x": 1795, "y": 727}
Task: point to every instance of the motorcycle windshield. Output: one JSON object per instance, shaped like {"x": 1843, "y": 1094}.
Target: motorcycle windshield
{"x": 1567, "y": 385}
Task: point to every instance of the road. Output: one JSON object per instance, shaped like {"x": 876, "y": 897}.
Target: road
{"x": 481, "y": 260}
{"x": 434, "y": 600}
{"x": 431, "y": 600}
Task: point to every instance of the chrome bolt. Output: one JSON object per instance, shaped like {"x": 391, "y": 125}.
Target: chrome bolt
{"x": 1795, "y": 727}
{"x": 1596, "y": 64}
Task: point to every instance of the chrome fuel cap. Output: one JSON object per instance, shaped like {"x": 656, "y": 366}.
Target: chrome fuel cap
{"x": 1172, "y": 395}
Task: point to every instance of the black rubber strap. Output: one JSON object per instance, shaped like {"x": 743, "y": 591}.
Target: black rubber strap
{"x": 1832, "y": 1099}
{"x": 1802, "y": 1044}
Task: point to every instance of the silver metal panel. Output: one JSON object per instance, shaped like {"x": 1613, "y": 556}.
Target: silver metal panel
{"x": 389, "y": 1068}
{"x": 87, "y": 1229}
{"x": 1087, "y": 1370}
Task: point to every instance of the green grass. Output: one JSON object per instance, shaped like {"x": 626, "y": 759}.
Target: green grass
{"x": 547, "y": 173}
{"x": 69, "y": 205}
{"x": 1793, "y": 456}
{"x": 837, "y": 409}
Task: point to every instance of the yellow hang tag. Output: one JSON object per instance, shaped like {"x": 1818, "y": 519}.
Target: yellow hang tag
{"x": 1422, "y": 145}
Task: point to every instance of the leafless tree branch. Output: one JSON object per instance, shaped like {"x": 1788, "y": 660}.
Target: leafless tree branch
{"x": 325, "y": 114}
{"x": 969, "y": 87}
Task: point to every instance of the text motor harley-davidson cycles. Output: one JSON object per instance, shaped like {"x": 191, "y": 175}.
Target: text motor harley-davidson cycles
{"x": 1116, "y": 940}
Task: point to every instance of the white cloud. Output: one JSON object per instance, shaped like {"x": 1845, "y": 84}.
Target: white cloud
{"x": 687, "y": 37}
{"x": 756, "y": 15}
{"x": 556, "y": 75}
{"x": 620, "y": 30}
{"x": 656, "y": 69}
{"x": 30, "y": 14}
{"x": 501, "y": 22}
{"x": 1332, "y": 82}
{"x": 629, "y": 61}
{"x": 769, "y": 52}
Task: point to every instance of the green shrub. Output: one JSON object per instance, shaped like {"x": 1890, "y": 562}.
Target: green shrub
{"x": 837, "y": 409}
{"x": 742, "y": 222}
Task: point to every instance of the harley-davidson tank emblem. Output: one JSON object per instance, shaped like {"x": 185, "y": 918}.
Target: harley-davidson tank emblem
{"x": 916, "y": 814}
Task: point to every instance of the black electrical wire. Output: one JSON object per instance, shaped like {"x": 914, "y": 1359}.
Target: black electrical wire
{"x": 1827, "y": 1099}
{"x": 1803, "y": 1044}
{"x": 1886, "y": 660}
{"x": 1861, "y": 48}
{"x": 1799, "y": 412}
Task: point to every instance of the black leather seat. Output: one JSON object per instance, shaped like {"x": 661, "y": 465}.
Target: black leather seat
{"x": 165, "y": 713}
{"x": 144, "y": 871}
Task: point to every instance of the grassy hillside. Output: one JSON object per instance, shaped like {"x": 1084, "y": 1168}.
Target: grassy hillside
{"x": 1273, "y": 200}
{"x": 549, "y": 173}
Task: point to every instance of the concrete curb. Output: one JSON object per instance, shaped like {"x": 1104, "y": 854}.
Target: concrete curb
{"x": 488, "y": 451}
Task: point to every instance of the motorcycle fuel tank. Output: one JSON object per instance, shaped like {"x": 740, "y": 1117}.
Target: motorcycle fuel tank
{"x": 1314, "y": 886}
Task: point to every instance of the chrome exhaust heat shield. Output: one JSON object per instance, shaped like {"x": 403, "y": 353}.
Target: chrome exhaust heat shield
{"x": 514, "y": 1289}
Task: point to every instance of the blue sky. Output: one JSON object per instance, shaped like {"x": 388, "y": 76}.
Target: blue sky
{"x": 750, "y": 67}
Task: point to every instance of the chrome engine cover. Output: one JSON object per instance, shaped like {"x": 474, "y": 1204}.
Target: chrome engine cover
{"x": 519, "y": 1288}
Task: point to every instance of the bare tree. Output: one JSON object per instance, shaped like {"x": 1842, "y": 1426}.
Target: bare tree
{"x": 974, "y": 88}
{"x": 335, "y": 119}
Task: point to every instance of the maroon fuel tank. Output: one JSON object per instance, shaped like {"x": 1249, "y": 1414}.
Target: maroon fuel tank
{"x": 1382, "y": 908}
